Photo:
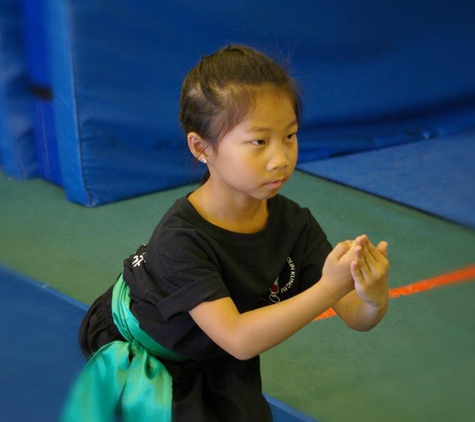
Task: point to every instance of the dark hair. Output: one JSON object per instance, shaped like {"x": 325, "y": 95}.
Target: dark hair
{"x": 222, "y": 89}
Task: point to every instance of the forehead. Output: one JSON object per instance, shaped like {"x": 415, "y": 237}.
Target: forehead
{"x": 271, "y": 110}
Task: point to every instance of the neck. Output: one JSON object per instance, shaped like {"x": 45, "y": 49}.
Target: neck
{"x": 237, "y": 214}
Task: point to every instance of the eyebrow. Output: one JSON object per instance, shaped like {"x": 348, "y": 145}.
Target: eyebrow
{"x": 265, "y": 129}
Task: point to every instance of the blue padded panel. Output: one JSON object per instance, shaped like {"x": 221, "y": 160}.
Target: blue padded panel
{"x": 436, "y": 176}
{"x": 37, "y": 53}
{"x": 49, "y": 166}
{"x": 372, "y": 77}
{"x": 115, "y": 100}
{"x": 17, "y": 151}
{"x": 359, "y": 137}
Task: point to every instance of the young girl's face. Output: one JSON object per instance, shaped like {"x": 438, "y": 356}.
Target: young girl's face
{"x": 258, "y": 155}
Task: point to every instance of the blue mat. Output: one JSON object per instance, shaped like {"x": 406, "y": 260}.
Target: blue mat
{"x": 40, "y": 356}
{"x": 436, "y": 176}
{"x": 42, "y": 359}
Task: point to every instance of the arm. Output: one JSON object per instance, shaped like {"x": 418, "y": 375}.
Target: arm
{"x": 363, "y": 308}
{"x": 248, "y": 334}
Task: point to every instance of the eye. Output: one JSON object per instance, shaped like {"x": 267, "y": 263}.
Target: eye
{"x": 259, "y": 142}
{"x": 291, "y": 136}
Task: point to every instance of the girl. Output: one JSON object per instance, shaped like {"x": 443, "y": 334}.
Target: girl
{"x": 230, "y": 271}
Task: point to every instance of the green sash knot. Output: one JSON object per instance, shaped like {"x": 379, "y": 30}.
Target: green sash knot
{"x": 123, "y": 380}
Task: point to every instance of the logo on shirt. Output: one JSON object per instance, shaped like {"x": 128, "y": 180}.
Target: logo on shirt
{"x": 280, "y": 287}
{"x": 138, "y": 259}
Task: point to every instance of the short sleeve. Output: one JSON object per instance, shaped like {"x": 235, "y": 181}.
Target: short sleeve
{"x": 186, "y": 269}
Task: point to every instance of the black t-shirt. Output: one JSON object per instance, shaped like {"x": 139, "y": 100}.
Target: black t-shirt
{"x": 189, "y": 260}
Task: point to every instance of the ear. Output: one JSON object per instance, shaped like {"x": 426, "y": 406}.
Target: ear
{"x": 198, "y": 147}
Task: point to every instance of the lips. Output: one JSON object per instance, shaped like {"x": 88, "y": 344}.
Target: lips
{"x": 275, "y": 184}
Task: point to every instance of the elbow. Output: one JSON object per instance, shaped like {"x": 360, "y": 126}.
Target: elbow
{"x": 365, "y": 321}
{"x": 243, "y": 355}
{"x": 240, "y": 351}
{"x": 361, "y": 328}
{"x": 363, "y": 325}
{"x": 241, "y": 347}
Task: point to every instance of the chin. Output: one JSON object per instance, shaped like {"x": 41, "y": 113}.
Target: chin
{"x": 268, "y": 195}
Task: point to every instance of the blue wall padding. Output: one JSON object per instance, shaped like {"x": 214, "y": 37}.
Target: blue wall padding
{"x": 372, "y": 76}
{"x": 115, "y": 100}
{"x": 40, "y": 81}
{"x": 17, "y": 151}
{"x": 359, "y": 137}
{"x": 43, "y": 119}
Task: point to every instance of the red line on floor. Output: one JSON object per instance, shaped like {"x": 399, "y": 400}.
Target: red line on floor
{"x": 464, "y": 274}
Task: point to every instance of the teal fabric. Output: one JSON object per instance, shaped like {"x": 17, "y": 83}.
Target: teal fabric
{"x": 123, "y": 380}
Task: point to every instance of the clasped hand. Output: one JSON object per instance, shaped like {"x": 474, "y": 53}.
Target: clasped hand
{"x": 370, "y": 269}
{"x": 361, "y": 266}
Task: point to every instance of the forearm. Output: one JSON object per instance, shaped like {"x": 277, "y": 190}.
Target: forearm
{"x": 248, "y": 334}
{"x": 266, "y": 327}
{"x": 358, "y": 314}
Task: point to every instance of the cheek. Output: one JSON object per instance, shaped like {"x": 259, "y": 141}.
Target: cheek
{"x": 295, "y": 160}
{"x": 293, "y": 155}
{"x": 244, "y": 173}
{"x": 231, "y": 165}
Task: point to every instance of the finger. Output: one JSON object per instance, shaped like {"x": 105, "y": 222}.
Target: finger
{"x": 376, "y": 252}
{"x": 356, "y": 272}
{"x": 383, "y": 248}
{"x": 363, "y": 265}
{"x": 340, "y": 249}
{"x": 364, "y": 242}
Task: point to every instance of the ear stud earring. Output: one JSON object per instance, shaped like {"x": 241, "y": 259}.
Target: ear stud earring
{"x": 204, "y": 160}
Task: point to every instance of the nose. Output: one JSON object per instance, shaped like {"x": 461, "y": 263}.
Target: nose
{"x": 279, "y": 158}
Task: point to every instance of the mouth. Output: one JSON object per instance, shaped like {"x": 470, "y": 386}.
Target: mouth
{"x": 276, "y": 184}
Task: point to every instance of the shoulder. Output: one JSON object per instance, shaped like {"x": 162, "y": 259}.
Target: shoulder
{"x": 289, "y": 209}
{"x": 180, "y": 217}
{"x": 298, "y": 218}
{"x": 180, "y": 224}
{"x": 181, "y": 211}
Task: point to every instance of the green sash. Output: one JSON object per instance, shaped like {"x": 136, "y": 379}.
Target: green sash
{"x": 123, "y": 378}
